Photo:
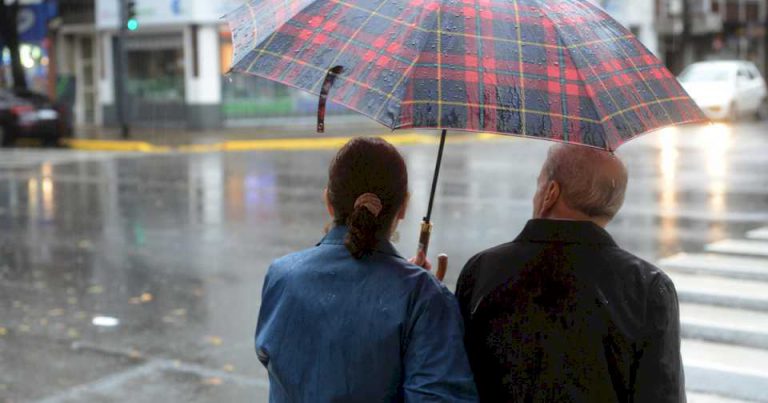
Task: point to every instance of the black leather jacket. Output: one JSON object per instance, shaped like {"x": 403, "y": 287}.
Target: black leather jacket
{"x": 563, "y": 314}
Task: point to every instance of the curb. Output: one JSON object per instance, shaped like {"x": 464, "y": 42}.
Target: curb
{"x": 286, "y": 144}
{"x": 113, "y": 145}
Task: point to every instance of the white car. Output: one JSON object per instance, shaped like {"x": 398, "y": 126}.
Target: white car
{"x": 726, "y": 90}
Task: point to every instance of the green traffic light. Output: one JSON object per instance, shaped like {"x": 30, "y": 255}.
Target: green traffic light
{"x": 133, "y": 24}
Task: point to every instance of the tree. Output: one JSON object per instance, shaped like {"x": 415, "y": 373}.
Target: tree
{"x": 9, "y": 35}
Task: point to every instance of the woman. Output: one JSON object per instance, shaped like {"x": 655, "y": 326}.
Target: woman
{"x": 350, "y": 320}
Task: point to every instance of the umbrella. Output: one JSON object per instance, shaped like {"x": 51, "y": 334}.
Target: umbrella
{"x": 560, "y": 70}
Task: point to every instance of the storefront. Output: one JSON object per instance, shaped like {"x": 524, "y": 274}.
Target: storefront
{"x": 172, "y": 75}
{"x": 154, "y": 79}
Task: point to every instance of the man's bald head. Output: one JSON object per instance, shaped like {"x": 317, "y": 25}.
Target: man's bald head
{"x": 591, "y": 182}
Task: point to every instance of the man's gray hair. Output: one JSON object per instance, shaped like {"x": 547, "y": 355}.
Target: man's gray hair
{"x": 592, "y": 181}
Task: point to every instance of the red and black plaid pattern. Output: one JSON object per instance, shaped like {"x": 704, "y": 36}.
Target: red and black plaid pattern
{"x": 557, "y": 69}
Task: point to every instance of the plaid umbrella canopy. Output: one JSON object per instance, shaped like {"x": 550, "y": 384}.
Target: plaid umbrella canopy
{"x": 560, "y": 70}
{"x": 557, "y": 69}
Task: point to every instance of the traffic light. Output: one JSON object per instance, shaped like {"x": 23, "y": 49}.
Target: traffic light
{"x": 130, "y": 15}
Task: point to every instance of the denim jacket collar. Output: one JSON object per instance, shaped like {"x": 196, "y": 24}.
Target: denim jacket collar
{"x": 337, "y": 234}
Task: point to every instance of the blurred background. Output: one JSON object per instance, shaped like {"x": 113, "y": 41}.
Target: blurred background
{"x": 178, "y": 51}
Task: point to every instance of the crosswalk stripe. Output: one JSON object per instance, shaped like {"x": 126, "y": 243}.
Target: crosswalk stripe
{"x": 728, "y": 266}
{"x": 740, "y": 247}
{"x": 760, "y": 234}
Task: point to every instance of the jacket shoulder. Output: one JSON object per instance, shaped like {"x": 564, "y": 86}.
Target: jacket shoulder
{"x": 631, "y": 265}
{"x": 287, "y": 264}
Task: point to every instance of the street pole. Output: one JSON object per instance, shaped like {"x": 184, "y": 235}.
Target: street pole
{"x": 686, "y": 36}
{"x": 765, "y": 38}
{"x": 121, "y": 100}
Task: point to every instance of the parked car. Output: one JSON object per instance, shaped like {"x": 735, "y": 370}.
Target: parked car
{"x": 29, "y": 115}
{"x": 727, "y": 90}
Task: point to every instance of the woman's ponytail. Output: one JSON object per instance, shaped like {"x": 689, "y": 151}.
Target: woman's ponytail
{"x": 367, "y": 186}
{"x": 363, "y": 224}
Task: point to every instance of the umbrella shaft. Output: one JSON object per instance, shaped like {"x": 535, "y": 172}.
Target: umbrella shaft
{"x": 428, "y": 218}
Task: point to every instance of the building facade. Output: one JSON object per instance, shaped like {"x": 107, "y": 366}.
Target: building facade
{"x": 638, "y": 16}
{"x": 717, "y": 29}
{"x": 174, "y": 62}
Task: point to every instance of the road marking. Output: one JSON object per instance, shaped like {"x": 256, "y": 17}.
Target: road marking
{"x": 740, "y": 247}
{"x": 113, "y": 145}
{"x": 728, "y": 266}
{"x": 283, "y": 144}
{"x": 760, "y": 234}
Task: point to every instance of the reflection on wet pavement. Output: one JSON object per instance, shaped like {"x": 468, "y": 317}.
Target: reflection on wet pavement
{"x": 174, "y": 247}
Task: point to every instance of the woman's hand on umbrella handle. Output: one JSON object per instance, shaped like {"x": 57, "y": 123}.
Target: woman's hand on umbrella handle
{"x": 442, "y": 263}
{"x": 421, "y": 260}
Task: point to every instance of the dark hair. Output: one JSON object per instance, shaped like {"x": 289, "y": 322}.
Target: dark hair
{"x": 366, "y": 165}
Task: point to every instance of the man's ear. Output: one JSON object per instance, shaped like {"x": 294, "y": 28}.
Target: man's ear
{"x": 551, "y": 196}
{"x": 328, "y": 205}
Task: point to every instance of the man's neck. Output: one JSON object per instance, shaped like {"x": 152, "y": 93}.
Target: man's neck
{"x": 602, "y": 223}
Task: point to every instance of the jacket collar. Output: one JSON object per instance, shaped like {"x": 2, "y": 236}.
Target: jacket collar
{"x": 563, "y": 231}
{"x": 337, "y": 234}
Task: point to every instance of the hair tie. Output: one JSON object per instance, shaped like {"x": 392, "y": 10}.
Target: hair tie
{"x": 371, "y": 202}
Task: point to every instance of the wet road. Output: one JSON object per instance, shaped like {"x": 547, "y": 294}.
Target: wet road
{"x": 136, "y": 277}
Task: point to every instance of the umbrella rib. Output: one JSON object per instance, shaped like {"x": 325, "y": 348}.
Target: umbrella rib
{"x": 306, "y": 64}
{"x": 579, "y": 46}
{"x": 480, "y": 71}
{"x": 351, "y": 38}
{"x": 466, "y": 35}
{"x": 505, "y": 108}
{"x": 260, "y": 50}
{"x": 439, "y": 68}
{"x": 640, "y": 105}
{"x": 645, "y": 82}
{"x": 404, "y": 76}
{"x": 520, "y": 67}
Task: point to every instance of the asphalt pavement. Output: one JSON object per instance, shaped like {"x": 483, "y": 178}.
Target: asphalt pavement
{"x": 137, "y": 276}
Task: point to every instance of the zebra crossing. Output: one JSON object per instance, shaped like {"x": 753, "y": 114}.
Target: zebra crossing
{"x": 723, "y": 296}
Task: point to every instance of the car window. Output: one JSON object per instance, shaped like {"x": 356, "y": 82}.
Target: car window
{"x": 750, "y": 74}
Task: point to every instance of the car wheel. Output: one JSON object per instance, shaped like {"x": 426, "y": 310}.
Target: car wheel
{"x": 762, "y": 110}
{"x": 3, "y": 140}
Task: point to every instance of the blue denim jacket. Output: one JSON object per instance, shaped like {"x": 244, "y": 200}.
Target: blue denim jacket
{"x": 379, "y": 329}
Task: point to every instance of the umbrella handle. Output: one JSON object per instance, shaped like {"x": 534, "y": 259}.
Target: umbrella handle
{"x": 442, "y": 266}
{"x": 426, "y": 232}
{"x": 330, "y": 78}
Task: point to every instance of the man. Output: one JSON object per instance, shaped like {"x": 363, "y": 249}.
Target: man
{"x": 562, "y": 313}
